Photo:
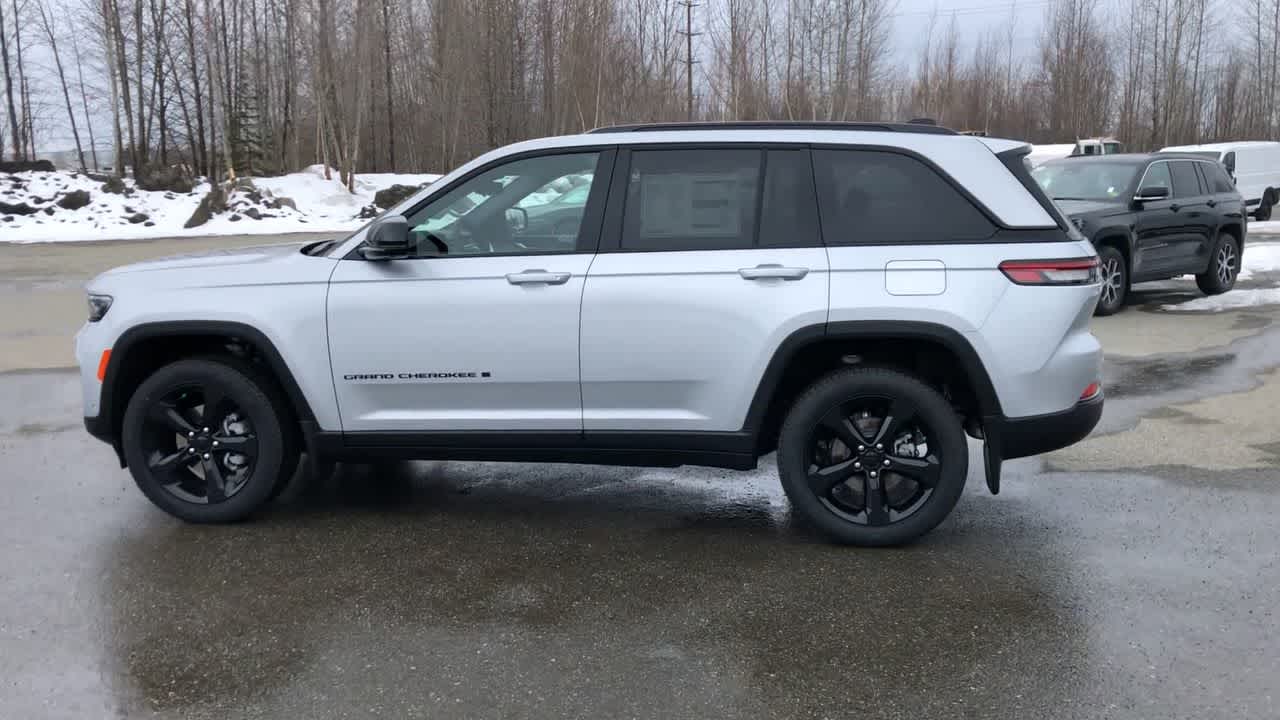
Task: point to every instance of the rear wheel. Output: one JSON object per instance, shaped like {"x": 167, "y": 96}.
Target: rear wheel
{"x": 206, "y": 442}
{"x": 872, "y": 457}
{"x": 1224, "y": 267}
{"x": 1115, "y": 281}
{"x": 1263, "y": 213}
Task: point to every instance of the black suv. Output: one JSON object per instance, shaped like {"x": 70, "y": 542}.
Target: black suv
{"x": 1152, "y": 217}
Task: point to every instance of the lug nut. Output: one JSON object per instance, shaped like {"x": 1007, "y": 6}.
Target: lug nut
{"x": 874, "y": 474}
{"x": 857, "y": 466}
{"x": 206, "y": 456}
{"x": 205, "y": 429}
{"x": 215, "y": 444}
{"x": 862, "y": 448}
{"x": 879, "y": 446}
{"x": 190, "y": 450}
{"x": 886, "y": 462}
{"x": 191, "y": 433}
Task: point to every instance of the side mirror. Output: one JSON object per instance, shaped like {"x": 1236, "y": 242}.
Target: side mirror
{"x": 388, "y": 239}
{"x": 1230, "y": 163}
{"x": 517, "y": 219}
{"x": 1151, "y": 192}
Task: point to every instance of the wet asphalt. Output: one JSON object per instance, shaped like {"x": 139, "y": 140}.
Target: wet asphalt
{"x": 504, "y": 590}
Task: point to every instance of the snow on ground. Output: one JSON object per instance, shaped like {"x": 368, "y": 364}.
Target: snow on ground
{"x": 322, "y": 206}
{"x": 1258, "y": 258}
{"x": 1234, "y": 300}
{"x": 1263, "y": 257}
{"x": 1264, "y": 227}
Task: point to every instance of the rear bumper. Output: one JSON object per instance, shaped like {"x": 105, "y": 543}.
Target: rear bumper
{"x": 1020, "y": 437}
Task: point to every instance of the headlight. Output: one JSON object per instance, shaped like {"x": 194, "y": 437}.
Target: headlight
{"x": 98, "y": 306}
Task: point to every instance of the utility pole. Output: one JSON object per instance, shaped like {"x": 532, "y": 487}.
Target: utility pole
{"x": 689, "y": 34}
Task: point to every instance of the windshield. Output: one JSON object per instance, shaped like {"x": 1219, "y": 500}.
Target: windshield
{"x": 1076, "y": 180}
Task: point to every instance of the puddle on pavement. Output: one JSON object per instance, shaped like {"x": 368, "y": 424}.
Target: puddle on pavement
{"x": 1146, "y": 376}
{"x": 1137, "y": 386}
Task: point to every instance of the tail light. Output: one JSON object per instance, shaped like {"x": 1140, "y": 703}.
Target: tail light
{"x": 1076, "y": 271}
{"x": 1091, "y": 391}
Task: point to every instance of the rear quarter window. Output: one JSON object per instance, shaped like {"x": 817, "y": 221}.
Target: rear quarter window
{"x": 869, "y": 197}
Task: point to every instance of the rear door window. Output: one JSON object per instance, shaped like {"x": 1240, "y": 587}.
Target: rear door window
{"x": 700, "y": 199}
{"x": 1185, "y": 181}
{"x": 883, "y": 198}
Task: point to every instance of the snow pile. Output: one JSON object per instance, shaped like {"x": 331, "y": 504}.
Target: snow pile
{"x": 1041, "y": 154}
{"x": 1257, "y": 259}
{"x": 1264, "y": 227}
{"x": 1234, "y": 300}
{"x": 30, "y": 209}
{"x": 1260, "y": 258}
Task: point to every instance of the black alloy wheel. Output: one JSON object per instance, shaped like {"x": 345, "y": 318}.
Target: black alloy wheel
{"x": 199, "y": 444}
{"x": 872, "y": 456}
{"x": 209, "y": 440}
{"x": 871, "y": 462}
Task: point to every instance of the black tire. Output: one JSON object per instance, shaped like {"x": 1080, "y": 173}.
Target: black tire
{"x": 1115, "y": 281}
{"x": 1263, "y": 212}
{"x": 170, "y": 406}
{"x": 920, "y": 409}
{"x": 1224, "y": 267}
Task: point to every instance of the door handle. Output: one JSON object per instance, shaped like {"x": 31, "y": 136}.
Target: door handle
{"x": 1212, "y": 203}
{"x": 538, "y": 277}
{"x": 1175, "y": 207}
{"x": 773, "y": 272}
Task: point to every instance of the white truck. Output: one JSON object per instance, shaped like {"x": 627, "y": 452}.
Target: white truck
{"x": 1254, "y": 165}
{"x": 1041, "y": 154}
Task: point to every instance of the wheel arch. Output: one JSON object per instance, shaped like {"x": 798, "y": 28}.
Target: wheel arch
{"x": 1235, "y": 230}
{"x": 1122, "y": 240}
{"x": 813, "y": 351}
{"x": 143, "y": 349}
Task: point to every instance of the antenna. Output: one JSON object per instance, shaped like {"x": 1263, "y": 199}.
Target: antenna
{"x": 689, "y": 35}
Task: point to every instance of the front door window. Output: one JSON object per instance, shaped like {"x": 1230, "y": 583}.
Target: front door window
{"x": 534, "y": 205}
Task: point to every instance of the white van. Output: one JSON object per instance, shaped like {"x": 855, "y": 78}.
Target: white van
{"x": 1254, "y": 165}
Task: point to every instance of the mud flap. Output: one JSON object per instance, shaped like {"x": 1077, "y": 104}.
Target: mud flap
{"x": 991, "y": 459}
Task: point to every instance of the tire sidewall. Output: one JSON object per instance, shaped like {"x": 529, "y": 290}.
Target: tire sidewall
{"x": 239, "y": 385}
{"x": 793, "y": 449}
{"x": 1105, "y": 254}
{"x": 1209, "y": 282}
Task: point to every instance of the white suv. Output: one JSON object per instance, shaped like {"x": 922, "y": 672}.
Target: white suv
{"x": 857, "y": 297}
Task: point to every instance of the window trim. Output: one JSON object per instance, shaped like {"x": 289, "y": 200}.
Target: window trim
{"x": 615, "y": 208}
{"x": 589, "y": 233}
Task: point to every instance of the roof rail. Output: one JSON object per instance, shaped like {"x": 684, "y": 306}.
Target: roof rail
{"x": 913, "y": 127}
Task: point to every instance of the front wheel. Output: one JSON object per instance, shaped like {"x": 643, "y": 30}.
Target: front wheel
{"x": 205, "y": 441}
{"x": 1115, "y": 281}
{"x": 872, "y": 457}
{"x": 1224, "y": 267}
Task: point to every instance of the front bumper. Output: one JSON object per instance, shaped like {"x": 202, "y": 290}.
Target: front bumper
{"x": 1020, "y": 437}
{"x": 100, "y": 427}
